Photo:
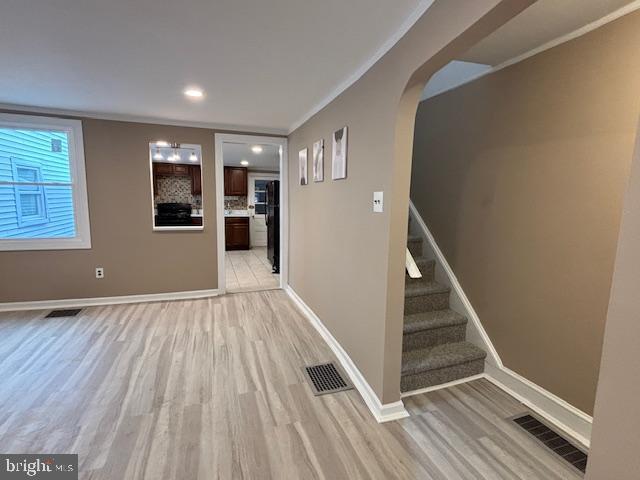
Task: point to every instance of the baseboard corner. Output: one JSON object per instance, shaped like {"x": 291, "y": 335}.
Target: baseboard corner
{"x": 381, "y": 412}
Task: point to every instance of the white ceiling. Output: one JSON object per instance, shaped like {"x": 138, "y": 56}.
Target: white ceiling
{"x": 267, "y": 160}
{"x": 262, "y": 64}
{"x": 542, "y": 22}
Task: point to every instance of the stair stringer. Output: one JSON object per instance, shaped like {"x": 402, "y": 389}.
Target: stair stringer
{"x": 458, "y": 301}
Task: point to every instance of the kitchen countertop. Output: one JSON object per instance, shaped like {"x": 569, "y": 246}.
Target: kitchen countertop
{"x": 237, "y": 213}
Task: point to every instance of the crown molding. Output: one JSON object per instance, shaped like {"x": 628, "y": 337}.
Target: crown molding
{"x": 225, "y": 127}
{"x": 422, "y": 7}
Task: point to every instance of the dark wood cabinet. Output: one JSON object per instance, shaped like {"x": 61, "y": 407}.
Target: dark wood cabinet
{"x": 196, "y": 180}
{"x": 235, "y": 181}
{"x": 179, "y": 170}
{"x": 163, "y": 168}
{"x": 236, "y": 233}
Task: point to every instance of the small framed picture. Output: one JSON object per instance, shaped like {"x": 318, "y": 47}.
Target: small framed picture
{"x": 318, "y": 161}
{"x": 302, "y": 166}
{"x": 339, "y": 154}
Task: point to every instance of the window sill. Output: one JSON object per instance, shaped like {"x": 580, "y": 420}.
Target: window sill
{"x": 45, "y": 244}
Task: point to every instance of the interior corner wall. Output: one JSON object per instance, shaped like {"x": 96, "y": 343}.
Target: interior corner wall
{"x": 520, "y": 177}
{"x": 615, "y": 441}
{"x": 136, "y": 259}
{"x": 345, "y": 262}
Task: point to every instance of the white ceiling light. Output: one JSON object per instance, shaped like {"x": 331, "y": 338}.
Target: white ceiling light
{"x": 193, "y": 92}
{"x": 158, "y": 156}
{"x": 256, "y": 149}
{"x": 162, "y": 143}
{"x": 244, "y": 163}
{"x": 193, "y": 157}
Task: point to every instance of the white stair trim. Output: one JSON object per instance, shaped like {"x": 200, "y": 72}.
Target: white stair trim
{"x": 381, "y": 412}
{"x": 410, "y": 265}
{"x": 97, "y": 301}
{"x": 557, "y": 411}
{"x": 469, "y": 312}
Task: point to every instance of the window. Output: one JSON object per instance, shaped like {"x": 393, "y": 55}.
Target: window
{"x": 43, "y": 199}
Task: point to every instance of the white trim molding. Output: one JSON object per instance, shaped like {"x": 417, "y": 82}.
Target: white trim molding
{"x": 220, "y": 139}
{"x": 422, "y": 7}
{"x": 96, "y": 301}
{"x": 381, "y": 412}
{"x": 123, "y": 117}
{"x": 557, "y": 411}
{"x": 469, "y": 311}
{"x": 77, "y": 183}
{"x": 560, "y": 413}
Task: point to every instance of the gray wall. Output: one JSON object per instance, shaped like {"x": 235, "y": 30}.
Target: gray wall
{"x": 520, "y": 176}
{"x": 346, "y": 262}
{"x": 136, "y": 259}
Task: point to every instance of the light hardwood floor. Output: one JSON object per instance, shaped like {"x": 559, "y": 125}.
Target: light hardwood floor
{"x": 213, "y": 388}
{"x": 249, "y": 270}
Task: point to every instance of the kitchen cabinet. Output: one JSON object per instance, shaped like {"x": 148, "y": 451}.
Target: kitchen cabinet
{"x": 179, "y": 170}
{"x": 196, "y": 180}
{"x": 236, "y": 233}
{"x": 235, "y": 181}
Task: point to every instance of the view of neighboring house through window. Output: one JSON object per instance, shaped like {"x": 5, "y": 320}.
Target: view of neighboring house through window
{"x": 42, "y": 187}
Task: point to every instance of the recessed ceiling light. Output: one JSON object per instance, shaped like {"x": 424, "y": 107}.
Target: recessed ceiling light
{"x": 244, "y": 163}
{"x": 256, "y": 149}
{"x": 193, "y": 92}
{"x": 162, "y": 143}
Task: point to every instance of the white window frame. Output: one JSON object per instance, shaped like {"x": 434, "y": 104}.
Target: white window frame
{"x": 73, "y": 129}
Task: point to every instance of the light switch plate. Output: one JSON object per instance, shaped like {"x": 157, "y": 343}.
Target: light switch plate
{"x": 378, "y": 203}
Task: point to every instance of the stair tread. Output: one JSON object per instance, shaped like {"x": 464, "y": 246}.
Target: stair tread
{"x": 440, "y": 356}
{"x": 418, "y": 322}
{"x": 425, "y": 288}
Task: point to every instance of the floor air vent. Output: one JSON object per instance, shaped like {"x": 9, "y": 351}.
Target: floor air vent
{"x": 325, "y": 379}
{"x": 64, "y": 313}
{"x": 553, "y": 441}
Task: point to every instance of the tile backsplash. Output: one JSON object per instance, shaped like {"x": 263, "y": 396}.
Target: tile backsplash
{"x": 235, "y": 202}
{"x": 172, "y": 188}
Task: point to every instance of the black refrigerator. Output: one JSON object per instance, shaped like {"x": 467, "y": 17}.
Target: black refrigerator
{"x": 273, "y": 224}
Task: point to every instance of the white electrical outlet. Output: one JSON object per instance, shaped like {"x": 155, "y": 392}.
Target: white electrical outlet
{"x": 99, "y": 272}
{"x": 378, "y": 203}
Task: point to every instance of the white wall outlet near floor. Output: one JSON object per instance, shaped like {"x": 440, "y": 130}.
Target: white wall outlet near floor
{"x": 99, "y": 272}
{"x": 378, "y": 202}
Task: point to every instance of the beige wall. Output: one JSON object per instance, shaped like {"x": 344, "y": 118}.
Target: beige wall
{"x": 136, "y": 259}
{"x": 346, "y": 262}
{"x": 615, "y": 441}
{"x": 520, "y": 176}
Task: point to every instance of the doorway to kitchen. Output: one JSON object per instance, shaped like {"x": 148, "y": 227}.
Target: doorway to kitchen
{"x": 251, "y": 208}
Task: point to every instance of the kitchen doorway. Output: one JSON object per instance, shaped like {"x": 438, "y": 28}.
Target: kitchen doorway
{"x": 251, "y": 209}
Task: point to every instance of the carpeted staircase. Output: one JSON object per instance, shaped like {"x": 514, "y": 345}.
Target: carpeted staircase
{"x": 434, "y": 349}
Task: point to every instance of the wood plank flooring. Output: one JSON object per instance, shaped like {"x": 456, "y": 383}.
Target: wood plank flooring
{"x": 213, "y": 388}
{"x": 249, "y": 270}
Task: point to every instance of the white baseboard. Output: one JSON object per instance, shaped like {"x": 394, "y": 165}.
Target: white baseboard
{"x": 91, "y": 302}
{"x": 442, "y": 386}
{"x": 381, "y": 412}
{"x": 550, "y": 407}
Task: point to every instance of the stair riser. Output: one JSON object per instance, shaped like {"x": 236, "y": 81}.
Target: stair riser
{"x": 443, "y": 375}
{"x": 427, "y": 272}
{"x": 415, "y": 247}
{"x": 432, "y": 337}
{"x": 426, "y": 303}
